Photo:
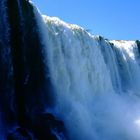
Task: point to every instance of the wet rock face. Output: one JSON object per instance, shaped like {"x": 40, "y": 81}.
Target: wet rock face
{"x": 24, "y": 89}
{"x": 28, "y": 72}
{"x": 138, "y": 44}
{"x": 20, "y": 134}
{"x": 47, "y": 126}
{"x": 43, "y": 127}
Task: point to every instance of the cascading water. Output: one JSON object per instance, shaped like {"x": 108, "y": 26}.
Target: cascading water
{"x": 57, "y": 81}
{"x": 96, "y": 82}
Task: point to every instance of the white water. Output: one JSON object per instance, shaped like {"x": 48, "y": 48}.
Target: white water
{"x": 96, "y": 83}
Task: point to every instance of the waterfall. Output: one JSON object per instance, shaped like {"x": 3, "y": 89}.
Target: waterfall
{"x": 96, "y": 82}
{"x": 59, "y": 82}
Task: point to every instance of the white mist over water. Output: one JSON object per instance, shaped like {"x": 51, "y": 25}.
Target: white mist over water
{"x": 96, "y": 82}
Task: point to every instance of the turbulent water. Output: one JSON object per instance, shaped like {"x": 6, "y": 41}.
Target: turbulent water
{"x": 96, "y": 82}
{"x": 57, "y": 81}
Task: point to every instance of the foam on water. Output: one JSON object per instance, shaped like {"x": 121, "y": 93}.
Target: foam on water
{"x": 96, "y": 82}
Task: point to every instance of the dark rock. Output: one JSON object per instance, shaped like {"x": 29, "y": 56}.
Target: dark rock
{"x": 20, "y": 134}
{"x": 46, "y": 126}
{"x": 138, "y": 44}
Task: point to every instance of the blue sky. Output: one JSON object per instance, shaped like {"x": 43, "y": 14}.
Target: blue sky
{"x": 113, "y": 19}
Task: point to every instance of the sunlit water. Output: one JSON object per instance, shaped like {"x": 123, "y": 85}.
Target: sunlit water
{"x": 96, "y": 82}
